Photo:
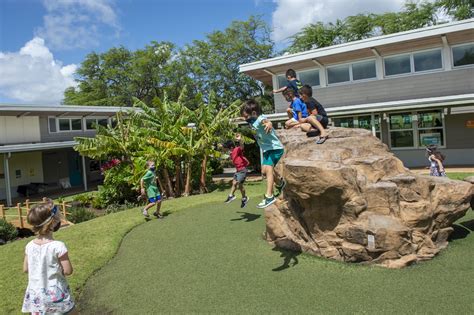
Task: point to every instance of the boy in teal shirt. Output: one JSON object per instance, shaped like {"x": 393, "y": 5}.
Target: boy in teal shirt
{"x": 269, "y": 144}
{"x": 148, "y": 187}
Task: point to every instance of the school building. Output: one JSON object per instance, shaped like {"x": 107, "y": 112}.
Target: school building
{"x": 36, "y": 148}
{"x": 411, "y": 89}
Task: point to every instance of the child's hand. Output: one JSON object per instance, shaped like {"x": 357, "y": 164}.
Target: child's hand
{"x": 142, "y": 191}
{"x": 268, "y": 126}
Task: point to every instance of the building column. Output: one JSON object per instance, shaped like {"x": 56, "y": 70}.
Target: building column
{"x": 84, "y": 173}
{"x": 6, "y": 166}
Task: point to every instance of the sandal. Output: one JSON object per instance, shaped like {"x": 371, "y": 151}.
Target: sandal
{"x": 321, "y": 140}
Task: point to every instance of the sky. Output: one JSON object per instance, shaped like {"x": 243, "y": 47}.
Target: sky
{"x": 43, "y": 42}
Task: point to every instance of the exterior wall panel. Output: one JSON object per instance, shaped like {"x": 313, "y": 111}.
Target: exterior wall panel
{"x": 46, "y": 136}
{"x": 15, "y": 130}
{"x": 458, "y": 136}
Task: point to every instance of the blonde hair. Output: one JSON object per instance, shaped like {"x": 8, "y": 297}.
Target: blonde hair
{"x": 42, "y": 218}
{"x": 149, "y": 162}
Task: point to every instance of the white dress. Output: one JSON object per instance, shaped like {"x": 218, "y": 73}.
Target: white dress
{"x": 48, "y": 290}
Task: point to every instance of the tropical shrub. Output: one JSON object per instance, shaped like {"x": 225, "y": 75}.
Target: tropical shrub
{"x": 8, "y": 231}
{"x": 80, "y": 214}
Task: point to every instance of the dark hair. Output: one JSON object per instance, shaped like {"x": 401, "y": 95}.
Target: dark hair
{"x": 229, "y": 144}
{"x": 306, "y": 90}
{"x": 433, "y": 150}
{"x": 289, "y": 92}
{"x": 251, "y": 106}
{"x": 290, "y": 73}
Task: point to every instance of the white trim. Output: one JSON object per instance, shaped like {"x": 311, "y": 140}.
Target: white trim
{"x": 351, "y": 72}
{"x": 412, "y": 63}
{"x": 36, "y": 146}
{"x": 436, "y": 30}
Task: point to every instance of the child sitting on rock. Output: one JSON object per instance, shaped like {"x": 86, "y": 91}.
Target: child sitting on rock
{"x": 297, "y": 110}
{"x": 317, "y": 121}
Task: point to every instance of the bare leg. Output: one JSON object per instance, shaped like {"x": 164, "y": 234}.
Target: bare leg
{"x": 242, "y": 189}
{"x": 158, "y": 207}
{"x": 316, "y": 124}
{"x": 290, "y": 123}
{"x": 234, "y": 187}
{"x": 305, "y": 127}
{"x": 268, "y": 169}
{"x": 150, "y": 205}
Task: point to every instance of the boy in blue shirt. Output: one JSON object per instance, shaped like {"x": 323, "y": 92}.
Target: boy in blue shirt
{"x": 269, "y": 144}
{"x": 293, "y": 83}
{"x": 297, "y": 111}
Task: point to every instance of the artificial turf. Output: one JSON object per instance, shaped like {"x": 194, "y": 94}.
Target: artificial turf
{"x": 211, "y": 258}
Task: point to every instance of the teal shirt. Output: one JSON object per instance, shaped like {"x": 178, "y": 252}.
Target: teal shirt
{"x": 266, "y": 141}
{"x": 149, "y": 179}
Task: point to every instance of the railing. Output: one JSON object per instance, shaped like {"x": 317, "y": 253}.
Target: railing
{"x": 19, "y": 219}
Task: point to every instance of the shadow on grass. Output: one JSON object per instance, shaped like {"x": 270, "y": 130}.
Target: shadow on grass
{"x": 288, "y": 256}
{"x": 461, "y": 230}
{"x": 221, "y": 185}
{"x": 248, "y": 217}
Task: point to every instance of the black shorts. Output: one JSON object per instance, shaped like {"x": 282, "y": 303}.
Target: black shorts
{"x": 323, "y": 120}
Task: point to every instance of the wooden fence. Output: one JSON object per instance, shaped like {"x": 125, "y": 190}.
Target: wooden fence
{"x": 21, "y": 211}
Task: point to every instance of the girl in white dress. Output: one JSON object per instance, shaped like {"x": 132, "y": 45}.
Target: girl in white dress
{"x": 47, "y": 264}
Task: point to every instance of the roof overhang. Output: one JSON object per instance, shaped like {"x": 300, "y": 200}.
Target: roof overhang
{"x": 60, "y": 110}
{"x": 28, "y": 147}
{"x": 453, "y": 33}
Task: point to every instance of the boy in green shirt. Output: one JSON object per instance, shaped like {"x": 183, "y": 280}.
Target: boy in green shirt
{"x": 148, "y": 187}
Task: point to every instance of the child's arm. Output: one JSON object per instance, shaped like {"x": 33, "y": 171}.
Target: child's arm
{"x": 280, "y": 90}
{"x": 25, "y": 264}
{"x": 66, "y": 264}
{"x": 142, "y": 186}
{"x": 238, "y": 137}
{"x": 300, "y": 117}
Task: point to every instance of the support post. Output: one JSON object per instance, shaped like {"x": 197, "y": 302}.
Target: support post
{"x": 372, "y": 122}
{"x": 20, "y": 216}
{"x": 2, "y": 212}
{"x": 27, "y": 205}
{"x": 6, "y": 167}
{"x": 84, "y": 174}
{"x": 64, "y": 209}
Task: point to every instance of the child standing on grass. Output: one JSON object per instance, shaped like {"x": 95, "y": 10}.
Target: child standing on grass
{"x": 240, "y": 163}
{"x": 269, "y": 144}
{"x": 47, "y": 264}
{"x": 149, "y": 188}
{"x": 436, "y": 161}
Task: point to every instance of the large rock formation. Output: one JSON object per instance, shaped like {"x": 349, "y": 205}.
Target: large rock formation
{"x": 352, "y": 200}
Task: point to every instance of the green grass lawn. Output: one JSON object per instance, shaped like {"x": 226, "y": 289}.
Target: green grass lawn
{"x": 209, "y": 257}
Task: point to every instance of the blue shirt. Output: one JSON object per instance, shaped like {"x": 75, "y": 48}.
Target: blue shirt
{"x": 299, "y": 106}
{"x": 295, "y": 85}
{"x": 266, "y": 141}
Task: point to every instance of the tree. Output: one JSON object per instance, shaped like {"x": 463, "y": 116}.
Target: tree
{"x": 458, "y": 9}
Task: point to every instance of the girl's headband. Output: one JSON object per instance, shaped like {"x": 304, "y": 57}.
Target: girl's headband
{"x": 54, "y": 210}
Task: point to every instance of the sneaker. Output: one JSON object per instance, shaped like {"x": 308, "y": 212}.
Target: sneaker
{"x": 245, "y": 201}
{"x": 266, "y": 202}
{"x": 230, "y": 199}
{"x": 158, "y": 215}
{"x": 280, "y": 187}
{"x": 145, "y": 213}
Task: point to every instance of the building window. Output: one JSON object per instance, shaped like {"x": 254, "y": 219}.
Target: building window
{"x": 76, "y": 124}
{"x": 338, "y": 74}
{"x": 364, "y": 122}
{"x": 415, "y": 62}
{"x": 91, "y": 123}
{"x": 52, "y": 124}
{"x": 282, "y": 81}
{"x": 364, "y": 70}
{"x": 397, "y": 65}
{"x": 401, "y": 130}
{"x": 463, "y": 55}
{"x": 310, "y": 77}
{"x": 430, "y": 128}
{"x": 64, "y": 124}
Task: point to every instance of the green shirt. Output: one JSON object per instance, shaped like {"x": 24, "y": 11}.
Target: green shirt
{"x": 149, "y": 179}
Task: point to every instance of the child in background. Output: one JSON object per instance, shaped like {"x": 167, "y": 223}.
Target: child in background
{"x": 269, "y": 144}
{"x": 436, "y": 161}
{"x": 148, "y": 186}
{"x": 317, "y": 118}
{"x": 240, "y": 163}
{"x": 47, "y": 264}
{"x": 297, "y": 111}
{"x": 293, "y": 83}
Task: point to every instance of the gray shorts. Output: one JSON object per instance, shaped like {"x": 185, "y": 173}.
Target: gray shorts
{"x": 240, "y": 176}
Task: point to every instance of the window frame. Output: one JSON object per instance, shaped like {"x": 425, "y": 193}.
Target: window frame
{"x": 70, "y": 118}
{"x": 355, "y": 119}
{"x": 351, "y": 74}
{"x": 96, "y": 121}
{"x": 452, "y": 56}
{"x": 298, "y": 76}
{"x": 415, "y": 129}
{"x": 412, "y": 63}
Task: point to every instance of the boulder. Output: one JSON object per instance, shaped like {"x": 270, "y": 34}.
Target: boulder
{"x": 350, "y": 199}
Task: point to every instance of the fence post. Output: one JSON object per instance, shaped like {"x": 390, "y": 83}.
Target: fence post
{"x": 64, "y": 209}
{"x": 27, "y": 205}
{"x": 2, "y": 212}
{"x": 18, "y": 205}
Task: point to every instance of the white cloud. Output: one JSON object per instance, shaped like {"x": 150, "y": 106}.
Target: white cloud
{"x": 290, "y": 16}
{"x": 33, "y": 76}
{"x": 71, "y": 24}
